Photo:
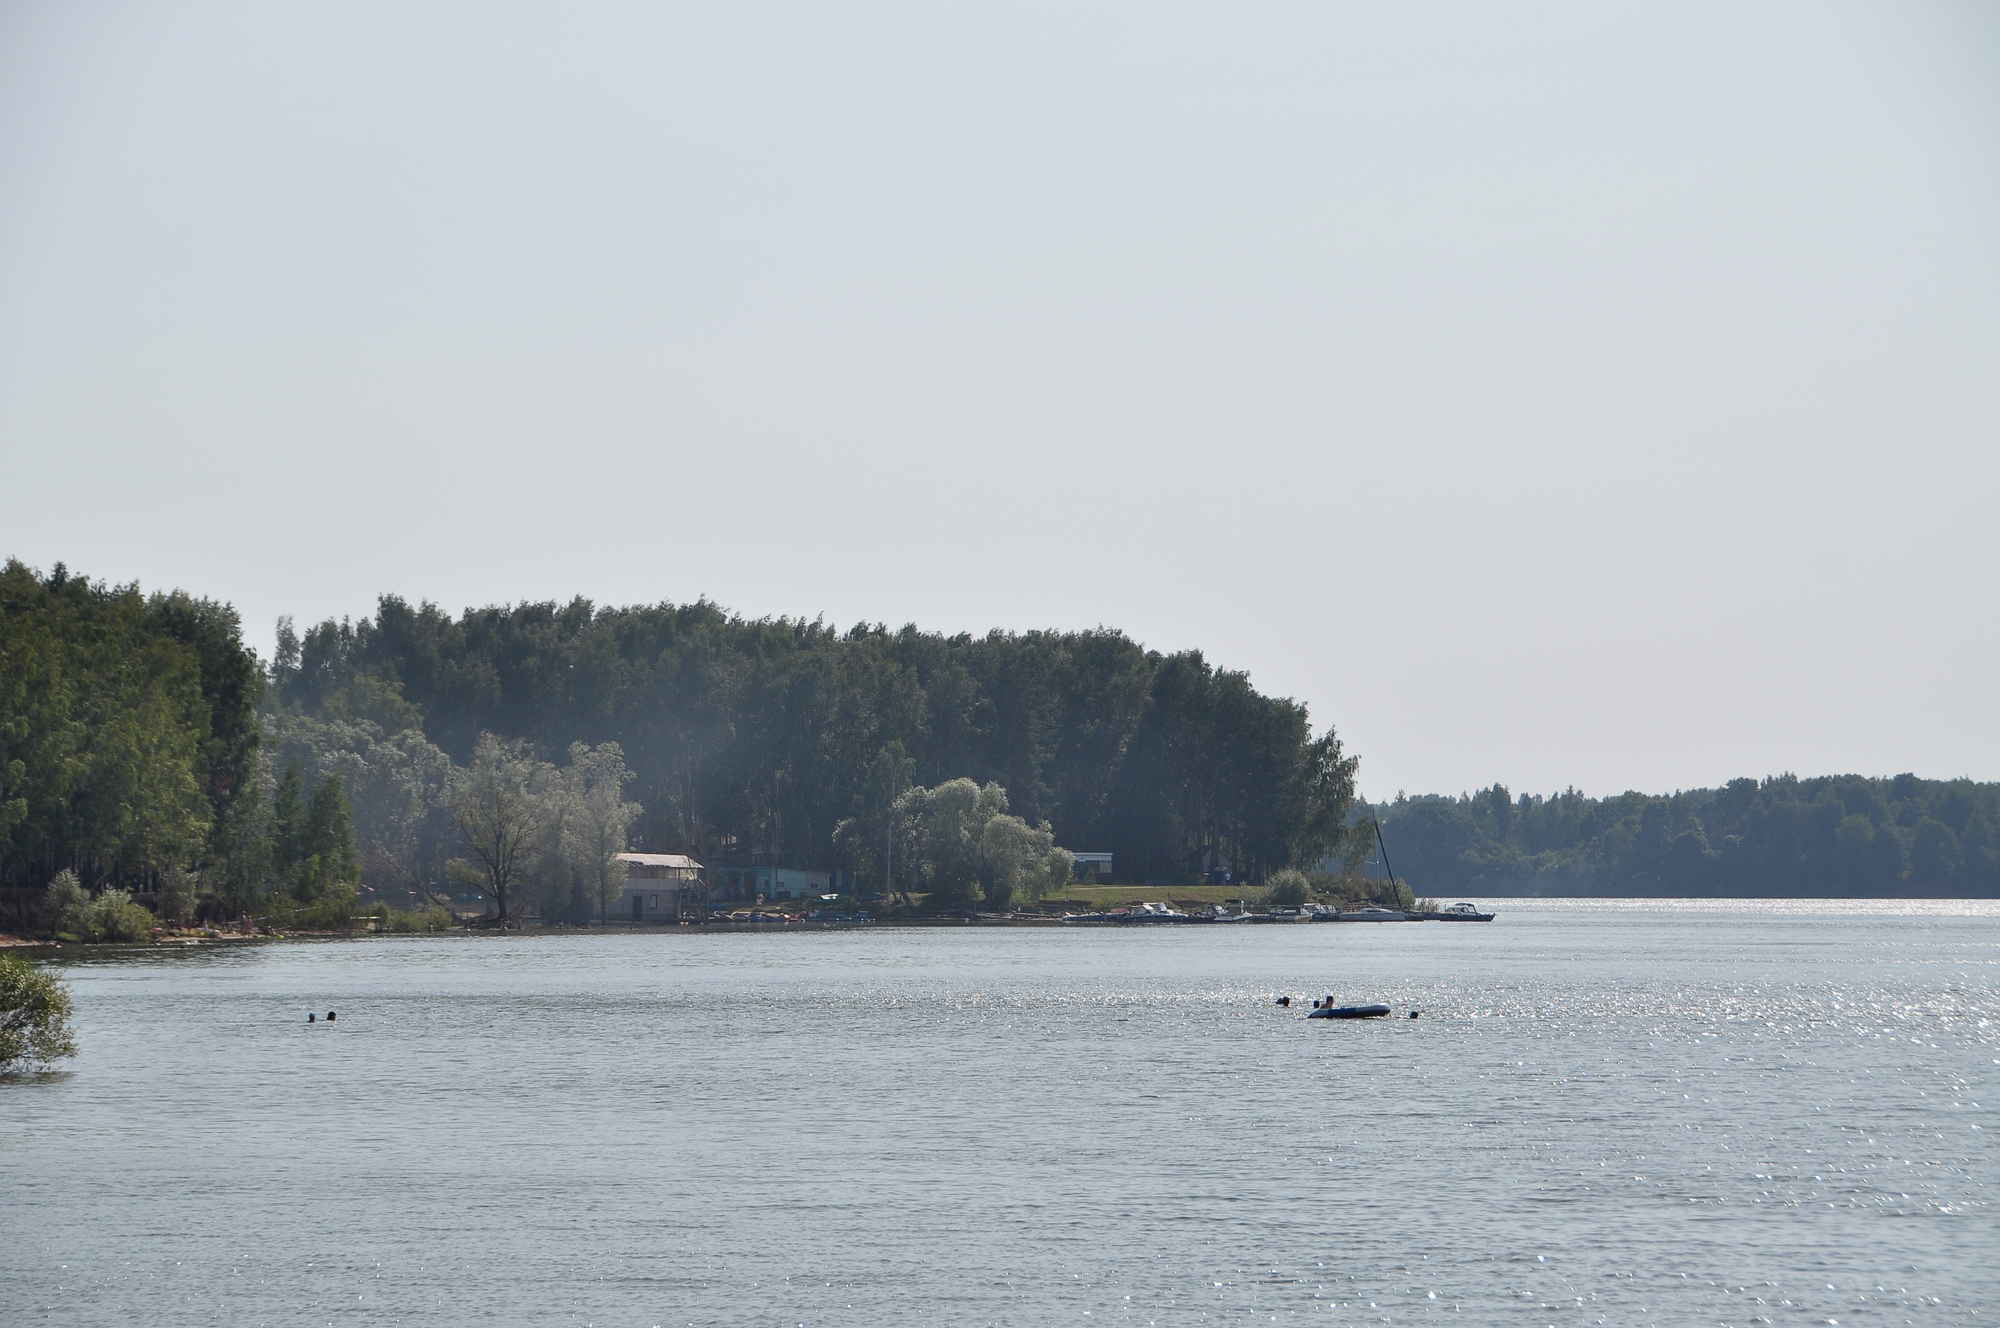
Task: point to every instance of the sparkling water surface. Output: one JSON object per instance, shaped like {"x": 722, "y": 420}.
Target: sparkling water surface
{"x": 1611, "y": 1112}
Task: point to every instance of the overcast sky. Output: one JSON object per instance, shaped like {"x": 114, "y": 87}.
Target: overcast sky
{"x": 1553, "y": 394}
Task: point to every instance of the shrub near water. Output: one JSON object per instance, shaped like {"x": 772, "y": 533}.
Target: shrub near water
{"x": 34, "y": 1015}
{"x": 112, "y": 916}
{"x": 412, "y": 920}
{"x": 1287, "y": 889}
{"x": 65, "y": 904}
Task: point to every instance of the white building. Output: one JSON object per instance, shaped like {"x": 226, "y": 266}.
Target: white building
{"x": 1091, "y": 866}
{"x": 661, "y": 887}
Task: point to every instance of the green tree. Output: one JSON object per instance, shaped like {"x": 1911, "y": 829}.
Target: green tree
{"x": 64, "y": 903}
{"x": 398, "y": 790}
{"x": 180, "y": 890}
{"x": 34, "y": 1015}
{"x": 112, "y": 916}
{"x": 1016, "y": 858}
{"x": 500, "y": 818}
{"x": 946, "y": 828}
{"x": 326, "y": 864}
{"x": 1287, "y": 888}
{"x": 600, "y": 820}
{"x": 288, "y": 815}
{"x": 863, "y": 838}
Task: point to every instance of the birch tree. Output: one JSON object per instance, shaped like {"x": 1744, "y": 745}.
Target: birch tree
{"x": 599, "y": 819}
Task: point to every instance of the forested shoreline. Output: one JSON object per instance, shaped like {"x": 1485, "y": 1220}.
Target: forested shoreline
{"x": 131, "y": 763}
{"x": 147, "y": 753}
{"x": 764, "y": 738}
{"x": 144, "y": 742}
{"x": 1843, "y": 835}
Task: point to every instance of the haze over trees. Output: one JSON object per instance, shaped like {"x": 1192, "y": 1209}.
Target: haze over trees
{"x": 147, "y": 757}
{"x": 766, "y": 736}
{"x": 1784, "y": 836}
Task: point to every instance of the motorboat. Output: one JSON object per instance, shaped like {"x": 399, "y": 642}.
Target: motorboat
{"x": 1372, "y": 914}
{"x": 1150, "y": 913}
{"x": 1350, "y": 1012}
{"x": 1461, "y": 912}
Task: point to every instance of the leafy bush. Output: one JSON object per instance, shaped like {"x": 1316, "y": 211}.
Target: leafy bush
{"x": 1287, "y": 889}
{"x": 412, "y": 920}
{"x": 112, "y": 916}
{"x": 34, "y": 1015}
{"x": 332, "y": 912}
{"x": 65, "y": 904}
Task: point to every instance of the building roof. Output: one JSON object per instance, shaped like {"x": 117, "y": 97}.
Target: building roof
{"x": 681, "y": 860}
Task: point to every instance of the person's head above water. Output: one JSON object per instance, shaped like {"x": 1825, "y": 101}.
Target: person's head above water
{"x": 329, "y": 1016}
{"x": 311, "y": 1017}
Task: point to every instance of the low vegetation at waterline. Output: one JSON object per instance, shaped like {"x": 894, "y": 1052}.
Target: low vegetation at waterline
{"x": 71, "y": 912}
{"x": 34, "y": 1016}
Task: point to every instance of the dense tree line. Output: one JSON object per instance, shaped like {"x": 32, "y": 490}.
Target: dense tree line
{"x": 1839, "y": 836}
{"x": 130, "y": 758}
{"x": 766, "y": 736}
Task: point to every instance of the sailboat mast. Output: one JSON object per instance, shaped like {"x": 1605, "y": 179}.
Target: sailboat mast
{"x": 1385, "y": 850}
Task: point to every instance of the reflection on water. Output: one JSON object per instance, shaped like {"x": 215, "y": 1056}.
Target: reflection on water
{"x": 1630, "y": 1112}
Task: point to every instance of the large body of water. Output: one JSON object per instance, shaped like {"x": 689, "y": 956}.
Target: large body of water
{"x": 1610, "y": 1112}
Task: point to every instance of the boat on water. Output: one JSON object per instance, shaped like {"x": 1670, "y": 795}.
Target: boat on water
{"x": 1461, "y": 912}
{"x": 1132, "y": 913}
{"x": 1350, "y": 1012}
{"x": 1372, "y": 914}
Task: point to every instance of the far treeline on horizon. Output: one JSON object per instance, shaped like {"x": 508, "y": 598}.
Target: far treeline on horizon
{"x": 144, "y": 748}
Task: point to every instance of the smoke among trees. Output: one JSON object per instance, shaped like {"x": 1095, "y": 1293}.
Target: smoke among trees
{"x": 796, "y": 740}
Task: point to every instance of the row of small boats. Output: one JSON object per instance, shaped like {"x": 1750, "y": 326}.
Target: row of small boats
{"x": 1235, "y": 912}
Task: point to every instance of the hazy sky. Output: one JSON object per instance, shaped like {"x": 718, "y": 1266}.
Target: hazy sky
{"x": 1555, "y": 394}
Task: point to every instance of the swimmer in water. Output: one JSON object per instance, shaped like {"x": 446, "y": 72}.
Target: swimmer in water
{"x": 312, "y": 1018}
{"x": 329, "y": 1016}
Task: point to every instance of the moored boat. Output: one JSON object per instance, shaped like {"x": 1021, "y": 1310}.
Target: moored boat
{"x": 1350, "y": 1012}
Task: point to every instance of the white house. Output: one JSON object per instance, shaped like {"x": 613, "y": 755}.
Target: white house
{"x": 661, "y": 887}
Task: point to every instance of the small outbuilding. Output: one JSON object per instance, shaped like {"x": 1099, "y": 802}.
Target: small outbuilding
{"x": 662, "y": 887}
{"x": 1093, "y": 866}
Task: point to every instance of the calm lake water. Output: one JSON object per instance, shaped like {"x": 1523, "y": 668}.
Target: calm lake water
{"x": 1610, "y": 1111}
